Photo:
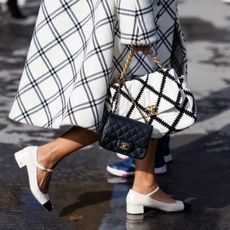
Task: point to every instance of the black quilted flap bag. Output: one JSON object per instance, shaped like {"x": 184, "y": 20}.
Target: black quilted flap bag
{"x": 126, "y": 136}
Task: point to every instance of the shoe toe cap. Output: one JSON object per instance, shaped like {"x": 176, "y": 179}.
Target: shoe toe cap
{"x": 48, "y": 206}
{"x": 187, "y": 206}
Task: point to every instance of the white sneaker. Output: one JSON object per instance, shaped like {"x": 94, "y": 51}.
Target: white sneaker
{"x": 28, "y": 157}
{"x": 168, "y": 158}
{"x": 160, "y": 170}
{"x": 122, "y": 156}
{"x": 126, "y": 168}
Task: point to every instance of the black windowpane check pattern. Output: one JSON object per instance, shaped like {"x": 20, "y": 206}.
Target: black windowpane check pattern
{"x": 79, "y": 46}
{"x": 163, "y": 89}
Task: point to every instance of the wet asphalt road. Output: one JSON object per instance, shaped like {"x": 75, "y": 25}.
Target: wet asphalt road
{"x": 200, "y": 172}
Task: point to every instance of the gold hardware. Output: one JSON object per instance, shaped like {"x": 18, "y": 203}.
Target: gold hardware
{"x": 117, "y": 82}
{"x": 156, "y": 60}
{"x": 129, "y": 59}
{"x": 127, "y": 63}
{"x": 152, "y": 110}
{"x": 124, "y": 146}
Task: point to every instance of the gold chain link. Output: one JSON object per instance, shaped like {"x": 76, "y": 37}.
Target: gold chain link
{"x": 129, "y": 59}
{"x": 127, "y": 64}
{"x": 123, "y": 76}
{"x": 156, "y": 60}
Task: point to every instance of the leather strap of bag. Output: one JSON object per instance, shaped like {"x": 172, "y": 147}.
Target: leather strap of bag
{"x": 121, "y": 81}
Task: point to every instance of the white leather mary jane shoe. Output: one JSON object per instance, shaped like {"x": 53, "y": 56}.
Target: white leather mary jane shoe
{"x": 28, "y": 157}
{"x": 136, "y": 202}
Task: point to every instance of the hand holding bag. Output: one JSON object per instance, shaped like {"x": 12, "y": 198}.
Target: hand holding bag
{"x": 145, "y": 107}
{"x": 161, "y": 99}
{"x": 124, "y": 135}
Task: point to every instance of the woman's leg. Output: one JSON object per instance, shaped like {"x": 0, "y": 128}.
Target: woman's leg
{"x": 145, "y": 179}
{"x": 49, "y": 155}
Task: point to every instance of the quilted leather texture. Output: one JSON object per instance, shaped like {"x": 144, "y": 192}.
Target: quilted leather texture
{"x": 126, "y": 136}
{"x": 176, "y": 107}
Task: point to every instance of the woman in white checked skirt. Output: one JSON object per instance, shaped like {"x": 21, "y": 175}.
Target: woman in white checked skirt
{"x": 77, "y": 48}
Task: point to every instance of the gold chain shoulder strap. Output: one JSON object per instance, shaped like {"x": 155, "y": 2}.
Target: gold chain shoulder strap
{"x": 129, "y": 59}
{"x": 122, "y": 78}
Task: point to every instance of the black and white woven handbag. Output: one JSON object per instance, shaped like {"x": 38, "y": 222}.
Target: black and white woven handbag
{"x": 161, "y": 99}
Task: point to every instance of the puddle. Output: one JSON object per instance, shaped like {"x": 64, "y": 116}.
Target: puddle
{"x": 196, "y": 29}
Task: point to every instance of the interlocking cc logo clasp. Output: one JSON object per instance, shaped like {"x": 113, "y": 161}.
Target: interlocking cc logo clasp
{"x": 152, "y": 110}
{"x": 124, "y": 146}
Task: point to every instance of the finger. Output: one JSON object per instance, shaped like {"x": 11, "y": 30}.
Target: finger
{"x": 144, "y": 49}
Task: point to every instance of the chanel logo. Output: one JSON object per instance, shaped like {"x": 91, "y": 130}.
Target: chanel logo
{"x": 152, "y": 110}
{"x": 124, "y": 145}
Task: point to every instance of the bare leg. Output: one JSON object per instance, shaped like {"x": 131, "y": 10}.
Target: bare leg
{"x": 49, "y": 155}
{"x": 145, "y": 178}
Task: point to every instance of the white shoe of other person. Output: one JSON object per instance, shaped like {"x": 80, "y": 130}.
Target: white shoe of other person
{"x": 226, "y": 1}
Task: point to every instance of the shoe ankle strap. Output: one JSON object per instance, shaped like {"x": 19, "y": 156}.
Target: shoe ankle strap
{"x": 43, "y": 168}
{"x": 154, "y": 191}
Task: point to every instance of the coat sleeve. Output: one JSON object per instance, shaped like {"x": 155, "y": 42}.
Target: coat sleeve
{"x": 136, "y": 21}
